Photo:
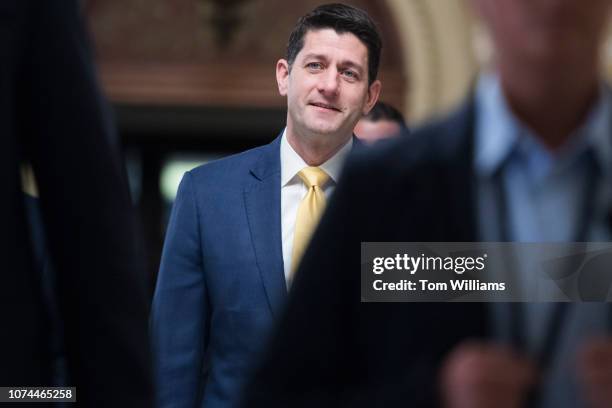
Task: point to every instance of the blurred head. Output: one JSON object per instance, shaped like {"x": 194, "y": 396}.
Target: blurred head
{"x": 554, "y": 31}
{"x": 329, "y": 75}
{"x": 382, "y": 122}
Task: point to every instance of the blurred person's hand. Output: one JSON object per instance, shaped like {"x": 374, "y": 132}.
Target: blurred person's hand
{"x": 595, "y": 372}
{"x": 485, "y": 375}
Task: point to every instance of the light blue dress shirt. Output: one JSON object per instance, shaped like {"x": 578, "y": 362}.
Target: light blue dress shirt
{"x": 545, "y": 195}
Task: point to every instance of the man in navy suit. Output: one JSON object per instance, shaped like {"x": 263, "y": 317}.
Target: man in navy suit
{"x": 229, "y": 253}
{"x": 528, "y": 158}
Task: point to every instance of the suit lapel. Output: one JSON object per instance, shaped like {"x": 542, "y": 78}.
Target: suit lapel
{"x": 262, "y": 202}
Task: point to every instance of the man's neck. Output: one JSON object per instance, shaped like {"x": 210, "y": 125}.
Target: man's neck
{"x": 552, "y": 102}
{"x": 316, "y": 150}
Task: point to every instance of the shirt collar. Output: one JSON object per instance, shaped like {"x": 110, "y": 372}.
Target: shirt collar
{"x": 292, "y": 163}
{"x": 496, "y": 130}
{"x": 499, "y": 133}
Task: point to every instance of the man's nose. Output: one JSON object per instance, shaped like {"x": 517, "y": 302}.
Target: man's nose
{"x": 329, "y": 82}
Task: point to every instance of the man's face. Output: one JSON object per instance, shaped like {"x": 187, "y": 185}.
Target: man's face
{"x": 544, "y": 29}
{"x": 327, "y": 87}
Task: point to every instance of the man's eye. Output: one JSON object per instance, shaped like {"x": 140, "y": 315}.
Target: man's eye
{"x": 314, "y": 65}
{"x": 350, "y": 74}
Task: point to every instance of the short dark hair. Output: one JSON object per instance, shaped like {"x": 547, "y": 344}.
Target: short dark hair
{"x": 384, "y": 111}
{"x": 342, "y": 19}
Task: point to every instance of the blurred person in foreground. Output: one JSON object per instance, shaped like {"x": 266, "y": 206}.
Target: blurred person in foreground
{"x": 382, "y": 122}
{"x": 44, "y": 271}
{"x": 528, "y": 157}
{"x": 52, "y": 115}
{"x": 239, "y": 225}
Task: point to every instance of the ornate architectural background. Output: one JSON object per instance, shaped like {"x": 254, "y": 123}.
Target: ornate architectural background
{"x": 222, "y": 52}
{"x": 219, "y": 53}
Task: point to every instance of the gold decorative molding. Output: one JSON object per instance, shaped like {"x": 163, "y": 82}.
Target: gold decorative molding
{"x": 190, "y": 84}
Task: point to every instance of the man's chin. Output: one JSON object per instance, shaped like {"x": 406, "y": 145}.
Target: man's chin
{"x": 324, "y": 131}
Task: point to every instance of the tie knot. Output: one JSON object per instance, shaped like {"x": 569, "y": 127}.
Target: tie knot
{"x": 313, "y": 176}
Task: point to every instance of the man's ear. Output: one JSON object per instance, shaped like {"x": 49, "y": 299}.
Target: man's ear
{"x": 282, "y": 76}
{"x": 373, "y": 94}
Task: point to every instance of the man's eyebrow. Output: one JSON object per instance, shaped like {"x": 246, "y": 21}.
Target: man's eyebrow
{"x": 344, "y": 63}
{"x": 315, "y": 56}
{"x": 351, "y": 64}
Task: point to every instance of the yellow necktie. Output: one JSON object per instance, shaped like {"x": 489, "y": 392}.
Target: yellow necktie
{"x": 309, "y": 211}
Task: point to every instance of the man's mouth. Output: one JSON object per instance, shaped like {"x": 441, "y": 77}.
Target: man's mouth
{"x": 325, "y": 106}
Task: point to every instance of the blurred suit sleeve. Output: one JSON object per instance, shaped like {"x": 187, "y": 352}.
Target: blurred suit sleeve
{"x": 179, "y": 319}
{"x": 330, "y": 349}
{"x": 89, "y": 220}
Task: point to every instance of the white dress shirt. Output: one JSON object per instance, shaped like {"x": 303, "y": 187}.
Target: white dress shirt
{"x": 293, "y": 190}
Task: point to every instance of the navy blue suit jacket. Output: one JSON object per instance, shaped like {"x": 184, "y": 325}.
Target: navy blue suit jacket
{"x": 221, "y": 282}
